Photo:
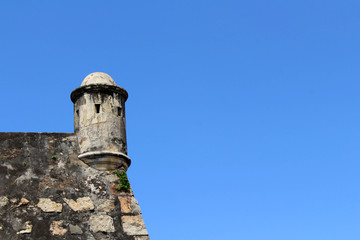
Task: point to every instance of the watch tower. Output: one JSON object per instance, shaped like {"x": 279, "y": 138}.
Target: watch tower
{"x": 99, "y": 122}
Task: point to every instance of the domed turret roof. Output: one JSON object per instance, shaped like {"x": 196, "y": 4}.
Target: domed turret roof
{"x": 98, "y": 78}
{"x": 97, "y": 82}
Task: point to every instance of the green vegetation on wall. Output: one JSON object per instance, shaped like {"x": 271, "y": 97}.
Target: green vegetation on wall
{"x": 124, "y": 182}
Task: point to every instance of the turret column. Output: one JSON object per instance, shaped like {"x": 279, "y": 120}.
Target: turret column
{"x": 99, "y": 122}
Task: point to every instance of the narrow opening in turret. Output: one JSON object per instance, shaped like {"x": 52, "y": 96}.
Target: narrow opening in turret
{"x": 119, "y": 111}
{"x": 77, "y": 113}
{"x": 97, "y": 108}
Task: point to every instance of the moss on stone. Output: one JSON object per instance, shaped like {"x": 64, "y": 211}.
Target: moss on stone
{"x": 124, "y": 182}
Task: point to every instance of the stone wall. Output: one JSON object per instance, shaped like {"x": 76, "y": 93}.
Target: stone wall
{"x": 48, "y": 193}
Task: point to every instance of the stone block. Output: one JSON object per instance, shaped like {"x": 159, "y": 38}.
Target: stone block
{"x": 47, "y": 205}
{"x": 125, "y": 204}
{"x": 106, "y": 205}
{"x": 129, "y": 204}
{"x": 141, "y": 238}
{"x": 3, "y": 201}
{"x": 81, "y": 204}
{"x": 57, "y": 228}
{"x": 24, "y": 201}
{"x": 101, "y": 223}
{"x": 27, "y": 228}
{"x": 133, "y": 225}
{"x": 75, "y": 229}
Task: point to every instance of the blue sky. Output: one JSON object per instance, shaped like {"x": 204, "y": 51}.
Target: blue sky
{"x": 243, "y": 117}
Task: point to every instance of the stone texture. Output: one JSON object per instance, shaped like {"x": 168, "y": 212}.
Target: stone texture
{"x": 3, "y": 201}
{"x": 106, "y": 205}
{"x": 27, "y": 228}
{"x": 125, "y": 204}
{"x": 133, "y": 225}
{"x": 44, "y": 169}
{"x": 98, "y": 78}
{"x": 129, "y": 204}
{"x": 47, "y": 205}
{"x": 75, "y": 229}
{"x": 28, "y": 176}
{"x": 135, "y": 208}
{"x": 42, "y": 172}
{"x": 114, "y": 191}
{"x": 141, "y": 238}
{"x": 56, "y": 179}
{"x": 56, "y": 228}
{"x": 81, "y": 204}
{"x": 112, "y": 178}
{"x": 101, "y": 223}
{"x": 99, "y": 122}
{"x": 24, "y": 201}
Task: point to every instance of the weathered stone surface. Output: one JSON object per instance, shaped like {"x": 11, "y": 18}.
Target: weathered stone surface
{"x": 98, "y": 78}
{"x": 42, "y": 172}
{"x": 111, "y": 178}
{"x": 135, "y": 208}
{"x": 81, "y": 204}
{"x": 55, "y": 179}
{"x": 29, "y": 175}
{"x": 125, "y": 204}
{"x": 3, "y": 201}
{"x": 56, "y": 228}
{"x": 101, "y": 223}
{"x": 75, "y": 229}
{"x": 133, "y": 225}
{"x": 24, "y": 201}
{"x": 89, "y": 236}
{"x": 141, "y": 238}
{"x": 129, "y": 204}
{"x": 99, "y": 120}
{"x": 47, "y": 205}
{"x": 27, "y": 228}
{"x": 106, "y": 205}
{"x": 115, "y": 192}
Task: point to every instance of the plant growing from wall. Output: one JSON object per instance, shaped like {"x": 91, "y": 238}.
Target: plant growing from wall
{"x": 124, "y": 182}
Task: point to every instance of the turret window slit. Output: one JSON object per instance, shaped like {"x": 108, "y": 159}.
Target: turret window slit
{"x": 97, "y": 108}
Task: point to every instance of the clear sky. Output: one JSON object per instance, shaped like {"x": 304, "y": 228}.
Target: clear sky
{"x": 243, "y": 117}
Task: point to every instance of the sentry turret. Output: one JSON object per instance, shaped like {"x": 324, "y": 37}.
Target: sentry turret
{"x": 99, "y": 122}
